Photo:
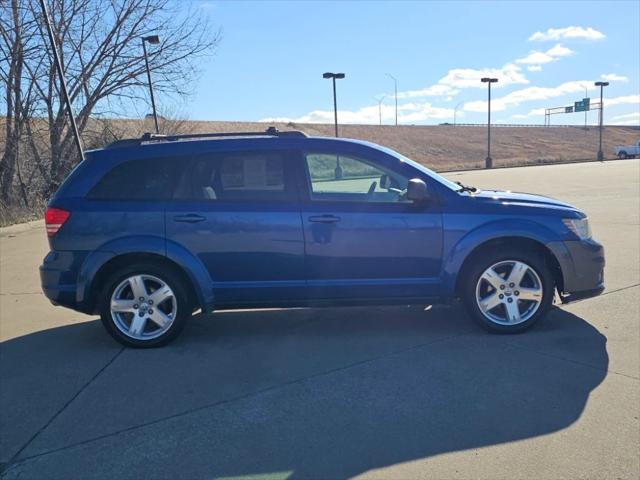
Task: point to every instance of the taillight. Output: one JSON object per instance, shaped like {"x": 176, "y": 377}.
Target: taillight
{"x": 54, "y": 218}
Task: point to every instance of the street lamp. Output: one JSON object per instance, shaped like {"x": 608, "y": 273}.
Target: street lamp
{"x": 395, "y": 87}
{"x": 153, "y": 40}
{"x": 489, "y": 161}
{"x": 455, "y": 112}
{"x": 601, "y": 85}
{"x": 586, "y": 94}
{"x": 380, "y": 100}
{"x": 333, "y": 76}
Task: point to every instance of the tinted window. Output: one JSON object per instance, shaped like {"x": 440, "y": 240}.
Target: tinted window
{"x": 342, "y": 178}
{"x": 238, "y": 177}
{"x": 150, "y": 179}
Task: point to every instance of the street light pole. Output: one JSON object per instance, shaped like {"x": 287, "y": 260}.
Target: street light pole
{"x": 395, "y": 88}
{"x": 334, "y": 76}
{"x": 601, "y": 85}
{"x": 153, "y": 40}
{"x": 489, "y": 161}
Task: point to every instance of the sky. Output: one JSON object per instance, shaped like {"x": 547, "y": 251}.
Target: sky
{"x": 270, "y": 61}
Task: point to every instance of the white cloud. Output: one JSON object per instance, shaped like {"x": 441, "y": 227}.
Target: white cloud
{"x": 612, "y": 77}
{"x": 624, "y": 100}
{"x": 432, "y": 91}
{"x": 627, "y": 119}
{"x": 537, "y": 58}
{"x": 469, "y": 77}
{"x": 568, "y": 33}
{"x": 407, "y": 113}
{"x": 528, "y": 94}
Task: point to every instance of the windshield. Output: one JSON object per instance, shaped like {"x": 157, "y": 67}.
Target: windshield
{"x": 438, "y": 178}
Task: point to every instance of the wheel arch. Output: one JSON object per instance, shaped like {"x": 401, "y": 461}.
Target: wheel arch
{"x": 524, "y": 242}
{"x": 118, "y": 262}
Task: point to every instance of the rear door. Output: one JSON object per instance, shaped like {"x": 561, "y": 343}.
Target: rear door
{"x": 239, "y": 214}
{"x": 364, "y": 240}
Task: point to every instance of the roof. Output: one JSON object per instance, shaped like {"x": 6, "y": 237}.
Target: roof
{"x": 150, "y": 138}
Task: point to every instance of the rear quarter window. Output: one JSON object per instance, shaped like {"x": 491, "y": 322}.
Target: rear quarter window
{"x": 148, "y": 179}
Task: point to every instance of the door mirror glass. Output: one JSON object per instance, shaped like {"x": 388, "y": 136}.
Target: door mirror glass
{"x": 417, "y": 190}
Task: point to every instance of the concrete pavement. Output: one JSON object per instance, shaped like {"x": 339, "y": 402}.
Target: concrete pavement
{"x": 377, "y": 392}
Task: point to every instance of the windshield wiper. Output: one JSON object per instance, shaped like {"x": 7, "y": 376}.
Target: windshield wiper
{"x": 466, "y": 188}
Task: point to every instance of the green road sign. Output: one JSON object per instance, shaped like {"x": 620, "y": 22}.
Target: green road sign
{"x": 582, "y": 106}
{"x": 570, "y": 109}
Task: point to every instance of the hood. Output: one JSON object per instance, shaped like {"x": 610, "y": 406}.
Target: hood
{"x": 522, "y": 199}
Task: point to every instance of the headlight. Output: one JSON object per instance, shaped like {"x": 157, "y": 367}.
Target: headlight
{"x": 579, "y": 226}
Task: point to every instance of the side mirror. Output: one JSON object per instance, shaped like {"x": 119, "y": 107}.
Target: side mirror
{"x": 417, "y": 190}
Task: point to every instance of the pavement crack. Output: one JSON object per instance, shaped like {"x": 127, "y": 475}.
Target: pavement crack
{"x": 232, "y": 399}
{"x": 14, "y": 458}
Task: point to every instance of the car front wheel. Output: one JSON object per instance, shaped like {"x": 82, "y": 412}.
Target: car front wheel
{"x": 508, "y": 292}
{"x": 144, "y": 306}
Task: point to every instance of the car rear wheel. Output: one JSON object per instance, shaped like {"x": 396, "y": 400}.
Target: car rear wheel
{"x": 508, "y": 291}
{"x": 144, "y": 306}
{"x": 622, "y": 155}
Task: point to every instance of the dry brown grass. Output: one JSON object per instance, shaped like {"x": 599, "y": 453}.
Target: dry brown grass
{"x": 445, "y": 147}
{"x": 441, "y": 148}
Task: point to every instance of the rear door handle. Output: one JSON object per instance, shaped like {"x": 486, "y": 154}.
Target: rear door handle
{"x": 324, "y": 219}
{"x": 189, "y": 218}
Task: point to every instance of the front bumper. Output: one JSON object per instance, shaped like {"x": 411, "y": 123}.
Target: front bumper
{"x": 582, "y": 265}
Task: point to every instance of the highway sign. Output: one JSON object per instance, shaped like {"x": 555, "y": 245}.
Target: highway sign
{"x": 581, "y": 106}
{"x": 570, "y": 109}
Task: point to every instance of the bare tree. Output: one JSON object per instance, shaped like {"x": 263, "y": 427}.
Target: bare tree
{"x": 100, "y": 47}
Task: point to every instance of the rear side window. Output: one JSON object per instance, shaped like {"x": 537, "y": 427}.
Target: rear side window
{"x": 149, "y": 179}
{"x": 253, "y": 176}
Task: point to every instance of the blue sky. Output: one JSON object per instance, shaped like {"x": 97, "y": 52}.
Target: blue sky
{"x": 270, "y": 62}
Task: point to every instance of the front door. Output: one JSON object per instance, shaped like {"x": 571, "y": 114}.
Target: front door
{"x": 363, "y": 238}
{"x": 239, "y": 213}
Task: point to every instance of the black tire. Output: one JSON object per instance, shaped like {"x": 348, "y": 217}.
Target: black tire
{"x": 168, "y": 276}
{"x": 622, "y": 155}
{"x": 485, "y": 259}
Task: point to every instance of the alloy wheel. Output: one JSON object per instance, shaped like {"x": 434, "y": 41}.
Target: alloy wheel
{"x": 509, "y": 292}
{"x": 143, "y": 307}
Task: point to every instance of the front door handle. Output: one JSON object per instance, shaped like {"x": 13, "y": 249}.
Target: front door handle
{"x": 189, "y": 218}
{"x": 324, "y": 219}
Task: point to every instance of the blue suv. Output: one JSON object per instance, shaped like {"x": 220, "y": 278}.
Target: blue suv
{"x": 146, "y": 232}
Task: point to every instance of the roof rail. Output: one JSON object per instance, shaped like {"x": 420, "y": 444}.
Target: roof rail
{"x": 154, "y": 137}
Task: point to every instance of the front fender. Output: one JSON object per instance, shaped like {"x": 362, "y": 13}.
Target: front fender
{"x": 462, "y": 248}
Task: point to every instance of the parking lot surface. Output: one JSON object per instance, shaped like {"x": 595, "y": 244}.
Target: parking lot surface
{"x": 377, "y": 392}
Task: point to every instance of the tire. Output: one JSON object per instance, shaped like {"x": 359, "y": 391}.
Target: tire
{"x": 622, "y": 155}
{"x": 157, "y": 322}
{"x": 480, "y": 283}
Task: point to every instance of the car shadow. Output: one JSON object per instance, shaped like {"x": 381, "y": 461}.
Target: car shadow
{"x": 327, "y": 393}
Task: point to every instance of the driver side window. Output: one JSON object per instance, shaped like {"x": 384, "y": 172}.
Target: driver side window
{"x": 342, "y": 178}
